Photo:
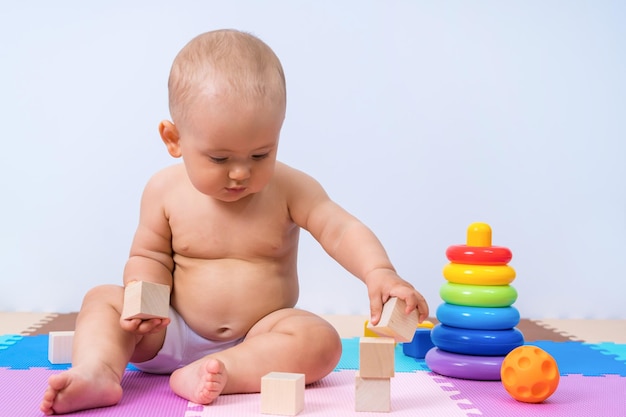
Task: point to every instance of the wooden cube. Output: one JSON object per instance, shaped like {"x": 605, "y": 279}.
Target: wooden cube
{"x": 60, "y": 347}
{"x": 372, "y": 394}
{"x": 146, "y": 300}
{"x": 376, "y": 357}
{"x": 394, "y": 322}
{"x": 282, "y": 393}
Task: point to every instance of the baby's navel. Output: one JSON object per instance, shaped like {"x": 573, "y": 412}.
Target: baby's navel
{"x": 224, "y": 332}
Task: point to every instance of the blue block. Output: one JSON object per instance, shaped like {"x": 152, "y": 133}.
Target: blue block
{"x": 420, "y": 344}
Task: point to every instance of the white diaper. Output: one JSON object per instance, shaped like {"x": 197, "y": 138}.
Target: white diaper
{"x": 181, "y": 347}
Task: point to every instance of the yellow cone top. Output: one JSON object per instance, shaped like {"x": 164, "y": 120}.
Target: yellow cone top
{"x": 479, "y": 234}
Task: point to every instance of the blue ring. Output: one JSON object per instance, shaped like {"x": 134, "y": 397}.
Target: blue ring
{"x": 476, "y": 342}
{"x": 477, "y": 368}
{"x": 480, "y": 318}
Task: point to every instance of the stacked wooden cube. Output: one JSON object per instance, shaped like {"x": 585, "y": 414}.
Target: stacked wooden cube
{"x": 377, "y": 356}
{"x": 373, "y": 379}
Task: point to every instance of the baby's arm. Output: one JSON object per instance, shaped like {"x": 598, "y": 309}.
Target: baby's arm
{"x": 350, "y": 243}
{"x": 150, "y": 256}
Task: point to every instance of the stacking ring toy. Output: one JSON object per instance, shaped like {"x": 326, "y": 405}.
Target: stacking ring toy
{"x": 478, "y": 295}
{"x": 478, "y": 368}
{"x": 476, "y": 342}
{"x": 480, "y": 318}
{"x": 479, "y": 274}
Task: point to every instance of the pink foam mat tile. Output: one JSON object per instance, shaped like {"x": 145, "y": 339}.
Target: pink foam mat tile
{"x": 576, "y": 395}
{"x": 413, "y": 394}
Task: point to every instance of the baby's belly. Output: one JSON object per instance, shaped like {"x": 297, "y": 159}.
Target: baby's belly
{"x": 222, "y": 299}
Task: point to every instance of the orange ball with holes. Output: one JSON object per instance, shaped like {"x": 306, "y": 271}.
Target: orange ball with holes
{"x": 529, "y": 374}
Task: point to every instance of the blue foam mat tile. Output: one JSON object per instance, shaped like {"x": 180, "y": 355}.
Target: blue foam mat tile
{"x": 25, "y": 352}
{"x": 581, "y": 358}
{"x": 618, "y": 351}
{"x": 28, "y": 352}
{"x": 7, "y": 340}
{"x": 350, "y": 358}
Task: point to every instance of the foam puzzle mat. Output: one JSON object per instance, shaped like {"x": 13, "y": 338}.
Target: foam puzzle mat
{"x": 593, "y": 380}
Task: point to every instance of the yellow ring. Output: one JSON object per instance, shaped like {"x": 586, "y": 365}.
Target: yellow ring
{"x": 479, "y": 274}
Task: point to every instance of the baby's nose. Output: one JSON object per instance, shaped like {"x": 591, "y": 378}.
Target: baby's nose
{"x": 239, "y": 172}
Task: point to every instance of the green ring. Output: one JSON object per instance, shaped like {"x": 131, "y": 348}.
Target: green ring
{"x": 478, "y": 295}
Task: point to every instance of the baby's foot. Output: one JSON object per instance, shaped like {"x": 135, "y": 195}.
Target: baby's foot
{"x": 200, "y": 382}
{"x": 75, "y": 390}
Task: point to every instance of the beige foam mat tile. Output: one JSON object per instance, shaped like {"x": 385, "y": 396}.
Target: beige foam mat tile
{"x": 590, "y": 331}
{"x": 20, "y": 323}
{"x": 347, "y": 326}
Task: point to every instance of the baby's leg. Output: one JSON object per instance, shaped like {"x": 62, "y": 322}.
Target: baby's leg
{"x": 100, "y": 354}
{"x": 287, "y": 340}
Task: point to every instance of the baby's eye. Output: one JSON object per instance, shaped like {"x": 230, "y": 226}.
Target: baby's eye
{"x": 260, "y": 156}
{"x": 218, "y": 160}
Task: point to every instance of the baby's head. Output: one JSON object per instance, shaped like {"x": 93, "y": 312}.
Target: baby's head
{"x": 225, "y": 65}
{"x": 227, "y": 102}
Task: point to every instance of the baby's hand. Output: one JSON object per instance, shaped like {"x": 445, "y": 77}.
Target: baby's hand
{"x": 144, "y": 326}
{"x": 383, "y": 284}
{"x": 136, "y": 320}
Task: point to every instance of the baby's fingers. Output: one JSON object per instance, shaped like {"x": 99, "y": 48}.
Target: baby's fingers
{"x": 417, "y": 302}
{"x": 130, "y": 325}
{"x": 422, "y": 308}
{"x": 143, "y": 327}
{"x": 376, "y": 308}
{"x": 152, "y": 326}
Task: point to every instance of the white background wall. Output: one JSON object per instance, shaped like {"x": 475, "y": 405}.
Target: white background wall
{"x": 419, "y": 117}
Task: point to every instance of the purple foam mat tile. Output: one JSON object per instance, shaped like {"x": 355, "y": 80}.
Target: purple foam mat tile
{"x": 144, "y": 395}
{"x": 576, "y": 395}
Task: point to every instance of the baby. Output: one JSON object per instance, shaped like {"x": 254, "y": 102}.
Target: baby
{"x": 221, "y": 229}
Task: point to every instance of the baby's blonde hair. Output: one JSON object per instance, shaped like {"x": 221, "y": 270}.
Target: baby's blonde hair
{"x": 225, "y": 63}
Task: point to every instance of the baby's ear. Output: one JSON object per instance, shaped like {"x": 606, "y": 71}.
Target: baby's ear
{"x": 171, "y": 138}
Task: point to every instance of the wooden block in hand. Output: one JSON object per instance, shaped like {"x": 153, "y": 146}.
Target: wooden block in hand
{"x": 60, "y": 347}
{"x": 282, "y": 393}
{"x": 146, "y": 300}
{"x": 394, "y": 322}
{"x": 376, "y": 357}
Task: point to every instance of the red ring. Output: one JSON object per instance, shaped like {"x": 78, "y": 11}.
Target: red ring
{"x": 478, "y": 255}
